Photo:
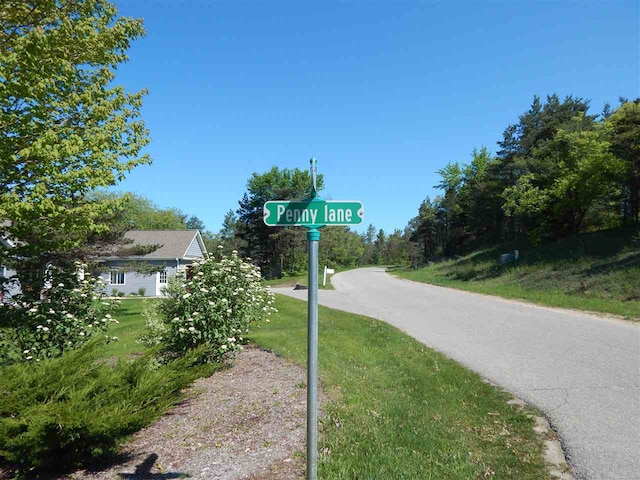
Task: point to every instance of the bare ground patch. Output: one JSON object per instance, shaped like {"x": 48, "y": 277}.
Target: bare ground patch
{"x": 245, "y": 423}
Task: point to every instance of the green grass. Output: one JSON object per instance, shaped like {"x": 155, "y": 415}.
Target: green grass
{"x": 598, "y": 272}
{"x": 131, "y": 326}
{"x": 398, "y": 410}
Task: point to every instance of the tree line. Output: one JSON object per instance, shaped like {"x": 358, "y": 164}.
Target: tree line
{"x": 559, "y": 171}
{"x": 283, "y": 250}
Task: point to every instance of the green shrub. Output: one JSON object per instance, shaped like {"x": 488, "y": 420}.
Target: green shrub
{"x": 213, "y": 308}
{"x": 142, "y": 291}
{"x": 156, "y": 329}
{"x": 72, "y": 311}
{"x": 68, "y": 412}
{"x": 120, "y": 294}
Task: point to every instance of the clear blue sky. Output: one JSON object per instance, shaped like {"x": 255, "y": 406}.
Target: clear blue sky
{"x": 382, "y": 93}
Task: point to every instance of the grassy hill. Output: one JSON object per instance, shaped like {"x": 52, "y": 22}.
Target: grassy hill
{"x": 597, "y": 271}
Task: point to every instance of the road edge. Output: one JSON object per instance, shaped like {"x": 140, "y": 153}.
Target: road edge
{"x": 596, "y": 315}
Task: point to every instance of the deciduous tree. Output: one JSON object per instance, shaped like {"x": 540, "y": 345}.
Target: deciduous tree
{"x": 66, "y": 127}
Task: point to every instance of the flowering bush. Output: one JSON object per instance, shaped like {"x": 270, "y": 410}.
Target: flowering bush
{"x": 213, "y": 307}
{"x": 72, "y": 310}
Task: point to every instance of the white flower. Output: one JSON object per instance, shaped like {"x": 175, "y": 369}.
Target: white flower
{"x": 29, "y": 357}
{"x": 26, "y": 351}
{"x": 61, "y": 284}
{"x": 83, "y": 294}
{"x": 204, "y": 290}
{"x": 186, "y": 295}
{"x": 38, "y": 327}
{"x": 192, "y": 329}
{"x": 45, "y": 329}
{"x": 231, "y": 339}
{"x": 229, "y": 310}
{"x": 176, "y": 319}
{"x": 82, "y": 334}
{"x": 52, "y": 311}
{"x": 33, "y": 310}
{"x": 234, "y": 252}
{"x": 106, "y": 315}
{"x": 220, "y": 247}
{"x": 181, "y": 330}
{"x": 200, "y": 274}
{"x": 223, "y": 347}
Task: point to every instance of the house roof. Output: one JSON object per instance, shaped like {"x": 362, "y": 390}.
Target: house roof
{"x": 173, "y": 243}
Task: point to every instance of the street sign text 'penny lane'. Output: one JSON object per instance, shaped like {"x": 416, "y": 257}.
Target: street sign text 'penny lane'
{"x": 316, "y": 212}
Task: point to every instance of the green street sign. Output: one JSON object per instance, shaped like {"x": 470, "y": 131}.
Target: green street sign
{"x": 315, "y": 212}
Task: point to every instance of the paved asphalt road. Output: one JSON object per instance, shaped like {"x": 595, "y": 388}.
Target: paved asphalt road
{"x": 581, "y": 370}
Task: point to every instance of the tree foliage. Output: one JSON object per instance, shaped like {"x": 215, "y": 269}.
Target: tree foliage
{"x": 273, "y": 249}
{"x": 66, "y": 127}
{"x": 140, "y": 213}
{"x": 283, "y": 250}
{"x": 559, "y": 171}
{"x": 624, "y": 132}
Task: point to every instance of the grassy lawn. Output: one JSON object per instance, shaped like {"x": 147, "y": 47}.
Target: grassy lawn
{"x": 399, "y": 410}
{"x": 598, "y": 272}
{"x": 131, "y": 326}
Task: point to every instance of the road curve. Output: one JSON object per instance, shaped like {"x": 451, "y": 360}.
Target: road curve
{"x": 581, "y": 370}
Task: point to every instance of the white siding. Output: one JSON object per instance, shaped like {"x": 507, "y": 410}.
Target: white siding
{"x": 194, "y": 250}
{"x": 134, "y": 281}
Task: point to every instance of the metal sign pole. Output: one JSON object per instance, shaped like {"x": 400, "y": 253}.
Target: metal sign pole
{"x": 312, "y": 213}
{"x": 313, "y": 236}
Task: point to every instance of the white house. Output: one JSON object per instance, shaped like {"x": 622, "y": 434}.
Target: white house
{"x": 178, "y": 249}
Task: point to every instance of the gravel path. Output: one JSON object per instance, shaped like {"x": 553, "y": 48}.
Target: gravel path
{"x": 583, "y": 371}
{"x": 246, "y": 423}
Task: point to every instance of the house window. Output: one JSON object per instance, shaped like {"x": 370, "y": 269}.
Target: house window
{"x": 163, "y": 276}
{"x": 116, "y": 278}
